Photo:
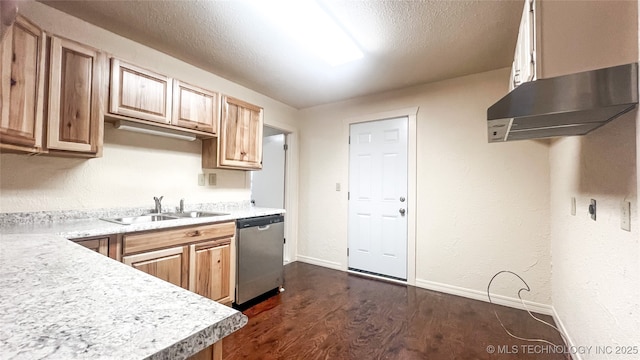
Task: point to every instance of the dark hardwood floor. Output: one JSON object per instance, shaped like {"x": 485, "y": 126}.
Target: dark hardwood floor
{"x": 329, "y": 314}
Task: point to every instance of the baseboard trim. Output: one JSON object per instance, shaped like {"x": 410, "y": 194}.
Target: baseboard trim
{"x": 319, "y": 262}
{"x": 481, "y": 295}
{"x": 563, "y": 329}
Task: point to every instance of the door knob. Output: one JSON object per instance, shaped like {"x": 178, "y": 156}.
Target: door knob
{"x": 402, "y": 211}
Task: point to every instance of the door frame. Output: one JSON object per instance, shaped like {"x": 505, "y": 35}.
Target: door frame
{"x": 412, "y": 114}
{"x": 290, "y": 189}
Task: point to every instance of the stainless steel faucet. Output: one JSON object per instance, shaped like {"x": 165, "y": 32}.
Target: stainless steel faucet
{"x": 158, "y": 204}
{"x": 181, "y": 206}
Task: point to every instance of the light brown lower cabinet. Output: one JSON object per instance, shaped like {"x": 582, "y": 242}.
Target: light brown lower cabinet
{"x": 195, "y": 258}
{"x": 97, "y": 244}
{"x": 213, "y": 352}
{"x": 209, "y": 270}
{"x": 170, "y": 265}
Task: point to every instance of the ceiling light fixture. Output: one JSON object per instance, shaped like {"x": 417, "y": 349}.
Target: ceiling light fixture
{"x": 150, "y": 130}
{"x": 308, "y": 23}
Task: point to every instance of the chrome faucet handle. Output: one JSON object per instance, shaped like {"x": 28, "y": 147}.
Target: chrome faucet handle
{"x": 158, "y": 204}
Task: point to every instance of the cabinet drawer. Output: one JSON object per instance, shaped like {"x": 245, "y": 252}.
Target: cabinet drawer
{"x": 174, "y": 237}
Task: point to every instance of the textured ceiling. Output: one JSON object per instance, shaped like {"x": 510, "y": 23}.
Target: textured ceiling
{"x": 405, "y": 42}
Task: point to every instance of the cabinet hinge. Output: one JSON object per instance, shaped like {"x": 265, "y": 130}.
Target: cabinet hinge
{"x": 285, "y": 241}
{"x": 348, "y": 195}
{"x": 286, "y": 147}
{"x": 347, "y": 251}
{"x": 349, "y": 140}
{"x": 531, "y": 5}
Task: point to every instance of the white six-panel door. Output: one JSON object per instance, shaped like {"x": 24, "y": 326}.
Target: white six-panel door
{"x": 377, "y": 227}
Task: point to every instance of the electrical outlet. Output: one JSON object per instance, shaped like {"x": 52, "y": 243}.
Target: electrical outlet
{"x": 200, "y": 179}
{"x": 625, "y": 216}
{"x": 213, "y": 179}
{"x": 337, "y": 186}
{"x": 592, "y": 209}
{"x": 573, "y": 205}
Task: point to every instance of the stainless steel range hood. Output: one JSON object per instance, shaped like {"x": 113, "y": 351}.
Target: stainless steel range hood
{"x": 565, "y": 105}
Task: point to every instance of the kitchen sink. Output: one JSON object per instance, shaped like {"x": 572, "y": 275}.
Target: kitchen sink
{"x": 197, "y": 214}
{"x": 162, "y": 217}
{"x": 142, "y": 219}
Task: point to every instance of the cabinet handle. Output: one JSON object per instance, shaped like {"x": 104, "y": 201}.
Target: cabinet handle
{"x": 194, "y": 233}
{"x": 13, "y": 82}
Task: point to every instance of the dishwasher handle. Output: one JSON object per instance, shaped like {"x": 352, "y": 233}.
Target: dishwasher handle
{"x": 264, "y": 227}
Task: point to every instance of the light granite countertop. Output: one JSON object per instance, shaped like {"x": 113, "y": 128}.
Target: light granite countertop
{"x": 59, "y": 300}
{"x": 72, "y": 229}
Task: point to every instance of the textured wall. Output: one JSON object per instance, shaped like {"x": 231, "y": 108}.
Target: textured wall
{"x": 595, "y": 265}
{"x": 134, "y": 167}
{"x": 481, "y": 207}
{"x": 586, "y": 35}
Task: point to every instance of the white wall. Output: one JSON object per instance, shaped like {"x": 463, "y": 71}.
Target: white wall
{"x": 134, "y": 167}
{"x": 586, "y": 35}
{"x": 596, "y": 265}
{"x": 481, "y": 207}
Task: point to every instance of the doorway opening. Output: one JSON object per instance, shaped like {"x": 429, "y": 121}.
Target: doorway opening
{"x": 268, "y": 186}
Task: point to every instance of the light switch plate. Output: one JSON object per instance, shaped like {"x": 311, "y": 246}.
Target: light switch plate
{"x": 337, "y": 186}
{"x": 200, "y": 179}
{"x": 213, "y": 180}
{"x": 625, "y": 216}
{"x": 573, "y": 205}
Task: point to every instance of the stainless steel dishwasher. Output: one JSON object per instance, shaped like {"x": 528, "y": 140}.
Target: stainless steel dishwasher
{"x": 259, "y": 266}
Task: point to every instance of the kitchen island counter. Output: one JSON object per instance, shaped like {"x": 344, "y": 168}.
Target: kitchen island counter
{"x": 59, "y": 300}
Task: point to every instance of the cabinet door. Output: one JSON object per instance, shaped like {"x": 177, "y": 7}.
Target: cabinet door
{"x": 524, "y": 59}
{"x": 239, "y": 144}
{"x": 22, "y": 86}
{"x": 74, "y": 111}
{"x": 209, "y": 270}
{"x": 139, "y": 93}
{"x": 170, "y": 265}
{"x": 100, "y": 245}
{"x": 194, "y": 108}
{"x": 213, "y": 352}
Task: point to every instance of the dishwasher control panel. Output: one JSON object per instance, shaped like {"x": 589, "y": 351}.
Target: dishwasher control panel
{"x": 259, "y": 221}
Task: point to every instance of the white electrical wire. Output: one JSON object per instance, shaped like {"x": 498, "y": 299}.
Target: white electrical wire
{"x": 527, "y": 288}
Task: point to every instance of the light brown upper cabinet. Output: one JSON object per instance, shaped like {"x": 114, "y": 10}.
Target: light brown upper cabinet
{"x": 139, "y": 93}
{"x": 239, "y": 143}
{"x": 194, "y": 107}
{"x": 22, "y": 57}
{"x": 74, "y": 114}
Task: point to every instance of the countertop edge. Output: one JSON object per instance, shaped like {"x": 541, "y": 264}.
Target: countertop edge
{"x": 202, "y": 339}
